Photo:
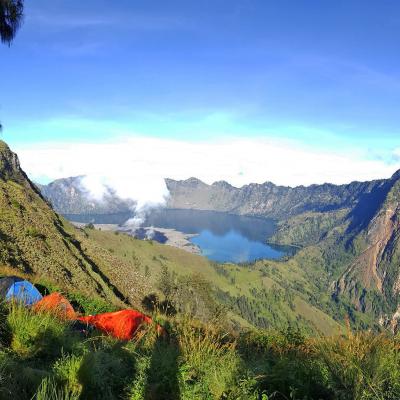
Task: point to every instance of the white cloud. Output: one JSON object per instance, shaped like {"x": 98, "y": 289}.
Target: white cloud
{"x": 135, "y": 167}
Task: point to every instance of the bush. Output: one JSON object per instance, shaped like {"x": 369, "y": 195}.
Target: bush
{"x": 66, "y": 370}
{"x": 362, "y": 365}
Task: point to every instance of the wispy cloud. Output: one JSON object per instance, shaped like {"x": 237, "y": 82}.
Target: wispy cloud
{"x": 66, "y": 21}
{"x": 140, "y": 22}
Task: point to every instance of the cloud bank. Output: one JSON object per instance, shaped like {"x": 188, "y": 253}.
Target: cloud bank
{"x": 135, "y": 167}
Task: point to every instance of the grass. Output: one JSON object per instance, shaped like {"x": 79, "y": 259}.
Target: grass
{"x": 36, "y": 334}
{"x": 44, "y": 358}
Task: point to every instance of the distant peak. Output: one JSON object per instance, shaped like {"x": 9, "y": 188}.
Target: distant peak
{"x": 193, "y": 181}
{"x": 223, "y": 184}
{"x": 190, "y": 182}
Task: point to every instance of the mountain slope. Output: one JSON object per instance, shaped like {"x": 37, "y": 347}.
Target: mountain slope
{"x": 349, "y": 235}
{"x": 263, "y": 295}
{"x": 376, "y": 269}
{"x": 35, "y": 240}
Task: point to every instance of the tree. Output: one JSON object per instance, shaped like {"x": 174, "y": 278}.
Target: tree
{"x": 11, "y": 15}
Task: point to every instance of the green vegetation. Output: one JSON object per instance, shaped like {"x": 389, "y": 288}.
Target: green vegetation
{"x": 264, "y": 294}
{"x": 44, "y": 358}
{"x": 307, "y": 228}
{"x": 309, "y": 291}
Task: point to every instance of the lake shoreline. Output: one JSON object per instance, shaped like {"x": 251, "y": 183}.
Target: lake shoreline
{"x": 174, "y": 238}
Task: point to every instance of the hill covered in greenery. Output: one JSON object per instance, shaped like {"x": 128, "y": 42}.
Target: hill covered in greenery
{"x": 348, "y": 236}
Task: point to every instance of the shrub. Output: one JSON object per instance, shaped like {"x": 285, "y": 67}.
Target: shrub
{"x": 88, "y": 305}
{"x": 66, "y": 370}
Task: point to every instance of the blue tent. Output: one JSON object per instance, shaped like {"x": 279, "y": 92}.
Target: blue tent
{"x": 14, "y": 288}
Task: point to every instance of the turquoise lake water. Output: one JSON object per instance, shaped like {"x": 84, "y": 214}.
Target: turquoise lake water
{"x": 222, "y": 237}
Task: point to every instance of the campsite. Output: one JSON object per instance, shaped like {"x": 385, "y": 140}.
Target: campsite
{"x": 120, "y": 324}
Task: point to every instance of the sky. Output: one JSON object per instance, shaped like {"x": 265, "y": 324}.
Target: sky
{"x": 289, "y": 91}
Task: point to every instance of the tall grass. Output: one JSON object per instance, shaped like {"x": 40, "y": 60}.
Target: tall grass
{"x": 43, "y": 358}
{"x": 36, "y": 334}
{"x": 362, "y": 365}
{"x": 210, "y": 361}
{"x": 49, "y": 390}
{"x": 351, "y": 366}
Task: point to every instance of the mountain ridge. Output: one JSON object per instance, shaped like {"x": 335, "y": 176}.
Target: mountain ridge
{"x": 69, "y": 196}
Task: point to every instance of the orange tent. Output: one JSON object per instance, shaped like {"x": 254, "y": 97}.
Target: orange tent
{"x": 57, "y": 304}
{"x": 121, "y": 324}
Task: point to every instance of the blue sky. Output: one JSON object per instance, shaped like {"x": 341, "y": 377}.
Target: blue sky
{"x": 325, "y": 75}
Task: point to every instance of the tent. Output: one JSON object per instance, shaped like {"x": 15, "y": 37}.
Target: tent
{"x": 14, "y": 288}
{"x": 121, "y": 324}
{"x": 57, "y": 304}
